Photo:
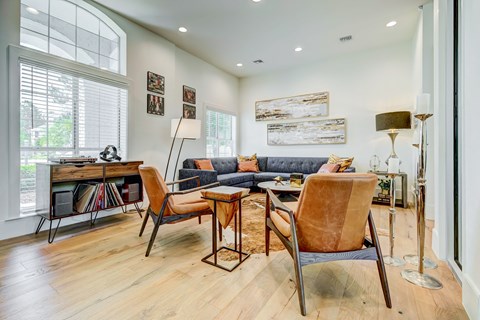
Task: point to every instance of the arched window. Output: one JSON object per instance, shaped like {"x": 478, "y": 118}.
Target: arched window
{"x": 73, "y": 30}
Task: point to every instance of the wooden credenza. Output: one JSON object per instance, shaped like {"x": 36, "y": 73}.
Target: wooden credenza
{"x": 54, "y": 179}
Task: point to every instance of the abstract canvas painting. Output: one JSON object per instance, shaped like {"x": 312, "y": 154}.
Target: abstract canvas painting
{"x": 330, "y": 131}
{"x": 303, "y": 106}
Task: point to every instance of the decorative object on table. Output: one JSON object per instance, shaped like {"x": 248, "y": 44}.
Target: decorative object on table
{"x": 110, "y": 154}
{"x": 297, "y": 107}
{"x": 155, "y": 105}
{"x": 392, "y": 122}
{"x": 374, "y": 163}
{"x": 393, "y": 170}
{"x": 278, "y": 180}
{"x": 420, "y": 278}
{"x": 226, "y": 202}
{"x": 344, "y": 163}
{"x": 189, "y": 112}
{"x": 384, "y": 185}
{"x": 296, "y": 180}
{"x": 155, "y": 83}
{"x": 383, "y": 197}
{"x": 190, "y": 129}
{"x": 330, "y": 131}
{"x": 189, "y": 95}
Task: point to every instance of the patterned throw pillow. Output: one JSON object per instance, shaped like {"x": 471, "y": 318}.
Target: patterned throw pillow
{"x": 329, "y": 168}
{"x": 248, "y": 166}
{"x": 344, "y": 163}
{"x": 204, "y": 164}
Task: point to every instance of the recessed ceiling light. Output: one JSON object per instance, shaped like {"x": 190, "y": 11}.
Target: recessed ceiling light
{"x": 182, "y": 29}
{"x": 298, "y": 49}
{"x": 239, "y": 64}
{"x": 391, "y": 23}
{"x": 32, "y": 10}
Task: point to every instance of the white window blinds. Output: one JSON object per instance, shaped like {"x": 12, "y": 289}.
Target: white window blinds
{"x": 63, "y": 113}
{"x": 220, "y": 133}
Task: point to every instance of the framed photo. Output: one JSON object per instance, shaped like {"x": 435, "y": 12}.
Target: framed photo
{"x": 189, "y": 112}
{"x": 297, "y": 107}
{"x": 155, "y": 83}
{"x": 189, "y": 95}
{"x": 155, "y": 105}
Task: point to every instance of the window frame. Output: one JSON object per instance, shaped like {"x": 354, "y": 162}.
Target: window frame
{"x": 234, "y": 127}
{"x": 15, "y": 55}
{"x": 111, "y": 24}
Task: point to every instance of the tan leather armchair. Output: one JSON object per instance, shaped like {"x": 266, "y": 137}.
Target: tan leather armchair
{"x": 328, "y": 224}
{"x": 169, "y": 207}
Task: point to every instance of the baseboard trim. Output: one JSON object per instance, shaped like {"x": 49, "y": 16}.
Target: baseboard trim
{"x": 436, "y": 242}
{"x": 471, "y": 297}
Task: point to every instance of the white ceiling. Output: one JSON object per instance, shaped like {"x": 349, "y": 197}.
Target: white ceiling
{"x": 227, "y": 32}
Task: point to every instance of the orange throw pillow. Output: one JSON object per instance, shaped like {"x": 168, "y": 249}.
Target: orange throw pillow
{"x": 204, "y": 164}
{"x": 248, "y": 166}
{"x": 329, "y": 168}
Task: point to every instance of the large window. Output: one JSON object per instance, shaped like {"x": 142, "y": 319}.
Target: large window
{"x": 220, "y": 134}
{"x": 65, "y": 29}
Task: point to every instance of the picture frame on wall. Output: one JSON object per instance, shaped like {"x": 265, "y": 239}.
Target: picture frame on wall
{"x": 155, "y": 105}
{"x": 155, "y": 83}
{"x": 329, "y": 131}
{"x": 189, "y": 95}
{"x": 189, "y": 112}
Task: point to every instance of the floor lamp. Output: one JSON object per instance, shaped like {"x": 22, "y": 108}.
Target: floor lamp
{"x": 392, "y": 122}
{"x": 182, "y": 128}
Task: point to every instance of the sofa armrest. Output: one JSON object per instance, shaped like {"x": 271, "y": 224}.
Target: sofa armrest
{"x": 350, "y": 170}
{"x": 206, "y": 177}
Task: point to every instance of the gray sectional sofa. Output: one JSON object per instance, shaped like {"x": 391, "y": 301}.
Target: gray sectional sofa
{"x": 270, "y": 167}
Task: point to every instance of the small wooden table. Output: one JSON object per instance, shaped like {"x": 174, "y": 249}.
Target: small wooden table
{"x": 286, "y": 191}
{"x": 230, "y": 199}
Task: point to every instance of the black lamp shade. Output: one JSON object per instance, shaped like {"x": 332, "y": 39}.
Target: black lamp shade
{"x": 393, "y": 120}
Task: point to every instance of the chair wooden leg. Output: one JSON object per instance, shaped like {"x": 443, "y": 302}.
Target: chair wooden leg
{"x": 152, "y": 237}
{"x": 199, "y": 219}
{"x": 300, "y": 287}
{"x": 267, "y": 238}
{"x": 380, "y": 265}
{"x": 144, "y": 223}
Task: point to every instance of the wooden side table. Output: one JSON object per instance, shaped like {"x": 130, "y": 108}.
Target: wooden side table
{"x": 226, "y": 203}
{"x": 403, "y": 202}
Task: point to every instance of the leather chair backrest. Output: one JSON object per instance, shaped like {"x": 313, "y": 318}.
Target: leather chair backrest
{"x": 156, "y": 189}
{"x": 333, "y": 210}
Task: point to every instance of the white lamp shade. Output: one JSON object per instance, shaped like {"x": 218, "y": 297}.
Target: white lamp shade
{"x": 189, "y": 128}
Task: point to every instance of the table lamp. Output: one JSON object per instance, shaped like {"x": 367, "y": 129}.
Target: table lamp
{"x": 392, "y": 122}
{"x": 182, "y": 128}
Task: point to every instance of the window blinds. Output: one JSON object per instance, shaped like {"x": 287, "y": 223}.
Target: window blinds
{"x": 220, "y": 128}
{"x": 63, "y": 113}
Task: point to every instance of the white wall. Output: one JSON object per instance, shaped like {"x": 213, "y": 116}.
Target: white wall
{"x": 360, "y": 86}
{"x": 148, "y": 135}
{"x": 471, "y": 175}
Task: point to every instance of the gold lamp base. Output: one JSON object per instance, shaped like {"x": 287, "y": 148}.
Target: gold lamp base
{"x": 421, "y": 279}
{"x": 427, "y": 262}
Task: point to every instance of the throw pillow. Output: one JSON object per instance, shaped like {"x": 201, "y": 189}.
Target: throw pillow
{"x": 248, "y": 166}
{"x": 344, "y": 163}
{"x": 241, "y": 158}
{"x": 329, "y": 168}
{"x": 204, "y": 164}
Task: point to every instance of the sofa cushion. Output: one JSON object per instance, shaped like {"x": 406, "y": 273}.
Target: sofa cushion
{"x": 262, "y": 163}
{"x": 248, "y": 166}
{"x": 295, "y": 164}
{"x": 225, "y": 165}
{"x": 268, "y": 176}
{"x": 230, "y": 179}
{"x": 344, "y": 163}
{"x": 204, "y": 164}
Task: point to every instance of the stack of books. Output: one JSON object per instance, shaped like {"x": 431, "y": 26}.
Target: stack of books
{"x": 94, "y": 196}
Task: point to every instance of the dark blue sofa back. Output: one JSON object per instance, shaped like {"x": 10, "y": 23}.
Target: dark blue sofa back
{"x": 221, "y": 165}
{"x": 295, "y": 164}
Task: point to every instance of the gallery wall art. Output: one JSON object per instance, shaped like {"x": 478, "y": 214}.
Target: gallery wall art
{"x": 297, "y": 107}
{"x": 189, "y": 112}
{"x": 189, "y": 95}
{"x": 330, "y": 131}
{"x": 155, "y": 105}
{"x": 155, "y": 83}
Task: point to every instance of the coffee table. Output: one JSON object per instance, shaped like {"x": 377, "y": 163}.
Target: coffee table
{"x": 286, "y": 193}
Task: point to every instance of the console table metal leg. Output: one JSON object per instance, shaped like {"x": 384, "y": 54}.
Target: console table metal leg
{"x": 93, "y": 219}
{"x": 40, "y": 224}
{"x": 214, "y": 232}
{"x": 240, "y": 254}
{"x": 50, "y": 237}
{"x": 139, "y": 211}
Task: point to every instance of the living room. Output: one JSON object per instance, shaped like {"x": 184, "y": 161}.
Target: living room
{"x": 380, "y": 69}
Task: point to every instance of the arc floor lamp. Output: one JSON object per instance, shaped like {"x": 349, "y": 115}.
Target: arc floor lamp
{"x": 182, "y": 128}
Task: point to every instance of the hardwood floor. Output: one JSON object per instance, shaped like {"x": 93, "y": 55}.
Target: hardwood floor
{"x": 102, "y": 273}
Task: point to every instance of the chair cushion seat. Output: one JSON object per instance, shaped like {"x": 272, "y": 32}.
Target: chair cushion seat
{"x": 189, "y": 202}
{"x": 281, "y": 219}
